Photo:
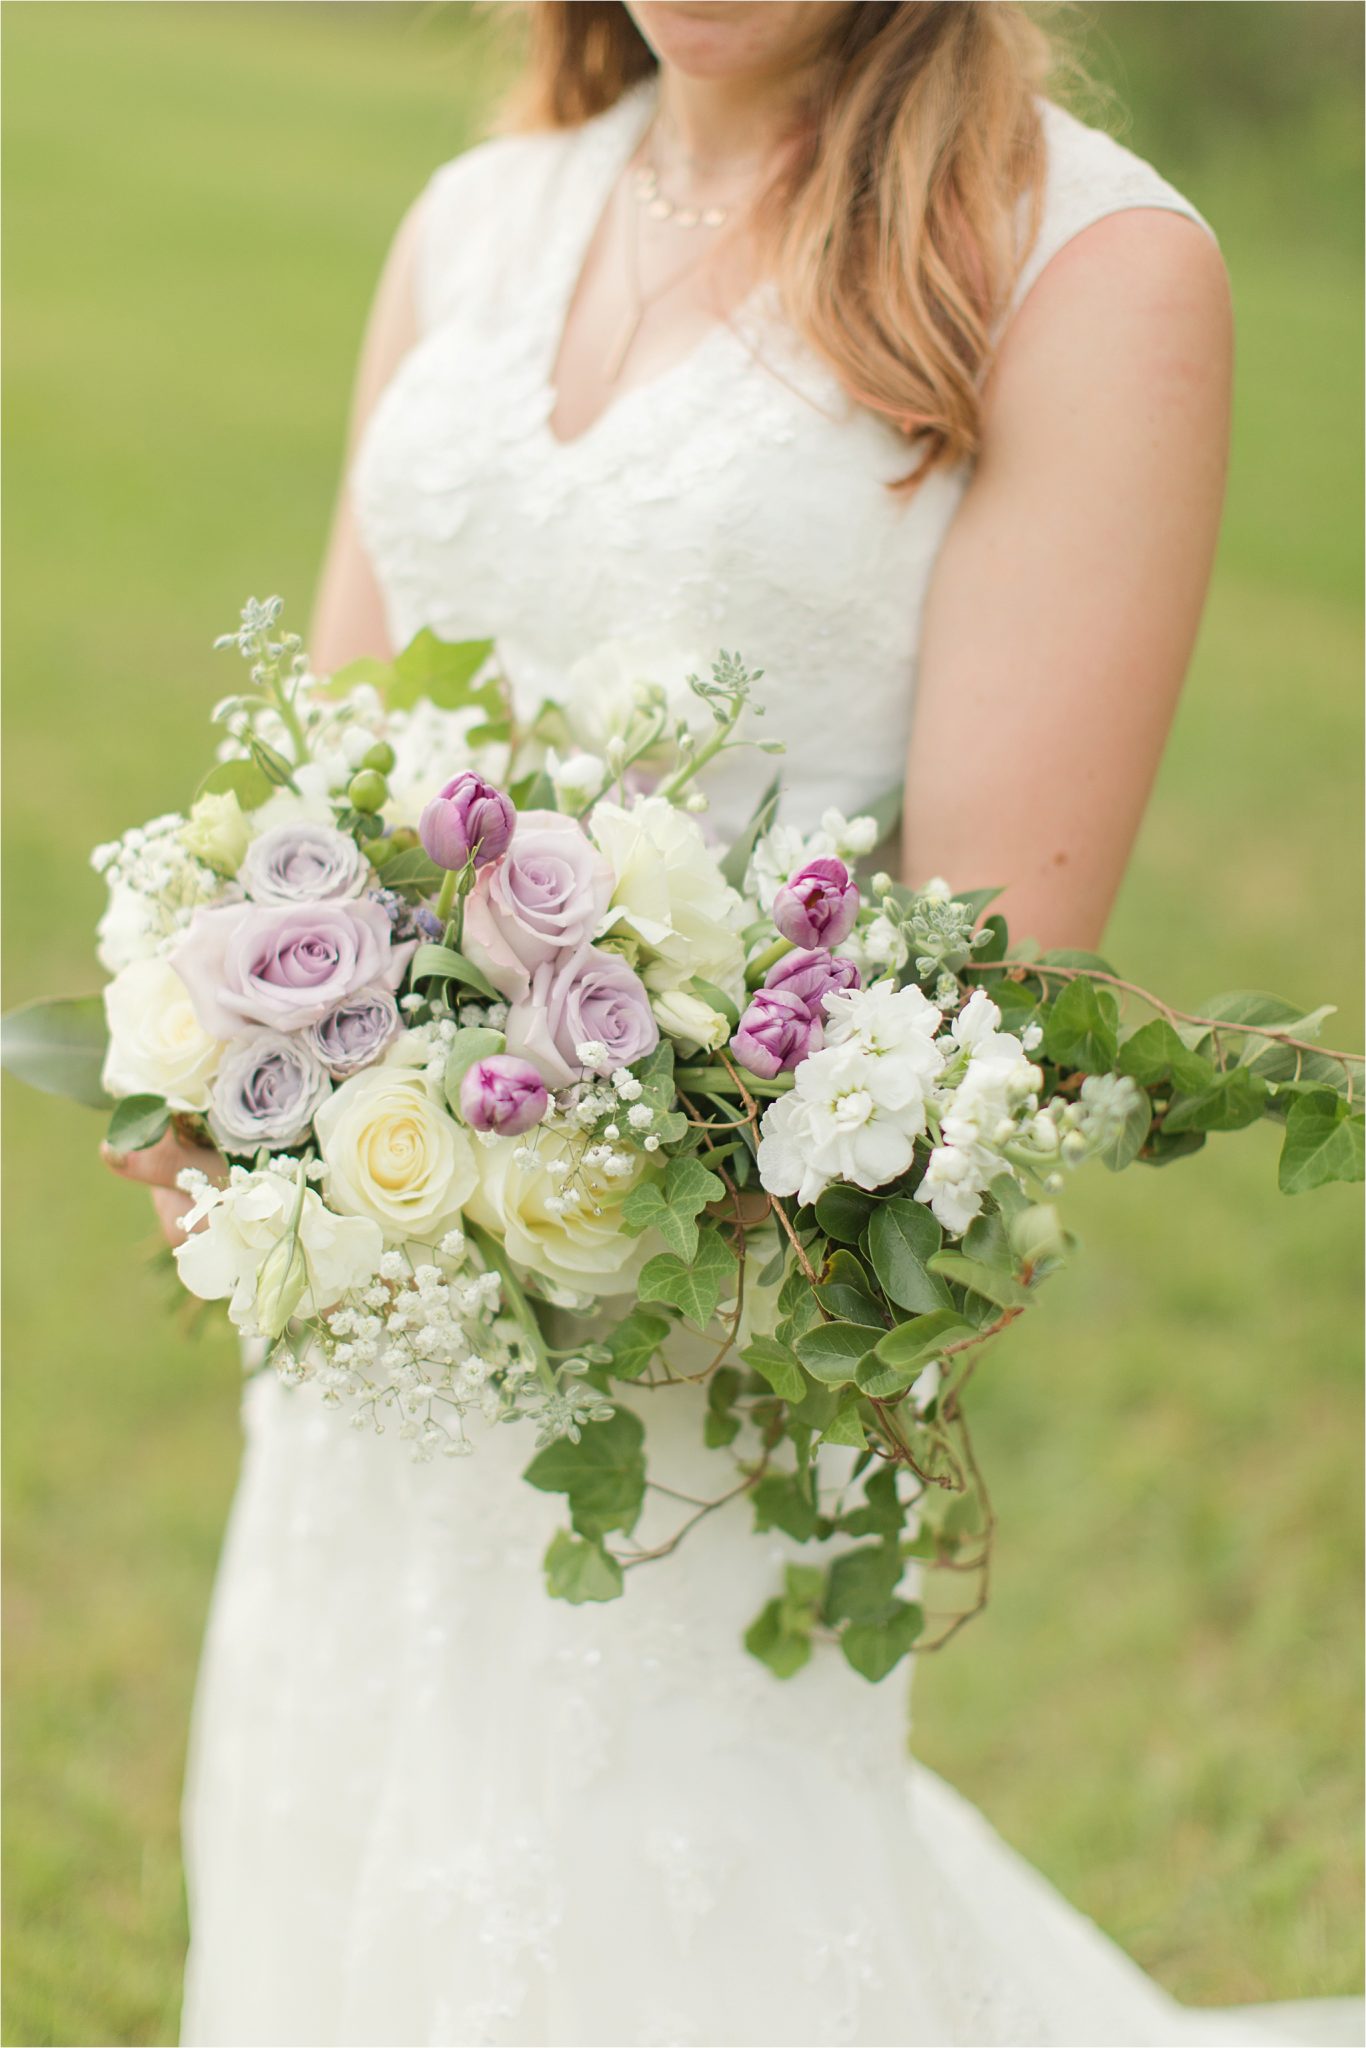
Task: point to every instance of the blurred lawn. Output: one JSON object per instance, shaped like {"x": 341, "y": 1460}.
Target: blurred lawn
{"x": 1162, "y": 1706}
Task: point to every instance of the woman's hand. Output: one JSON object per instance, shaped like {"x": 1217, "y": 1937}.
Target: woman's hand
{"x": 157, "y": 1165}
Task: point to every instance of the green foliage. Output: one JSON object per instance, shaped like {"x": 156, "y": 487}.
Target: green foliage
{"x": 603, "y": 1474}
{"x": 1323, "y": 1142}
{"x": 635, "y": 1341}
{"x": 671, "y": 1207}
{"x": 579, "y": 1570}
{"x": 1082, "y": 1026}
{"x": 781, "y": 1637}
{"x": 474, "y": 1043}
{"x": 58, "y": 1046}
{"x": 443, "y": 963}
{"x": 902, "y": 1238}
{"x": 832, "y": 1350}
{"x": 695, "y": 1286}
{"x": 137, "y": 1122}
{"x": 776, "y": 1364}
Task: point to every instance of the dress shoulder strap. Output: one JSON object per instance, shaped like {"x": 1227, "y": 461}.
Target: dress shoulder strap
{"x": 1089, "y": 175}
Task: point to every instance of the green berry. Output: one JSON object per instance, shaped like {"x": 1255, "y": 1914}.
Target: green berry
{"x": 368, "y": 790}
{"x": 381, "y": 758}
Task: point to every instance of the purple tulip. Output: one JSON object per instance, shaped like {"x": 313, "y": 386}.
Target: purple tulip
{"x": 502, "y": 1094}
{"x": 469, "y": 820}
{"x": 776, "y": 1032}
{"x": 812, "y": 975}
{"x": 817, "y": 906}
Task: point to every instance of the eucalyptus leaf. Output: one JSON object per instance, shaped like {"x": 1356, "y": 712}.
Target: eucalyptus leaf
{"x": 59, "y": 1046}
{"x": 138, "y": 1121}
{"x": 832, "y": 1350}
{"x": 902, "y": 1238}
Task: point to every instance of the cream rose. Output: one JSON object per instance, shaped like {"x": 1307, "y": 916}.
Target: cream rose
{"x": 157, "y": 1045}
{"x": 586, "y": 1251}
{"x": 671, "y": 895}
{"x": 393, "y": 1152}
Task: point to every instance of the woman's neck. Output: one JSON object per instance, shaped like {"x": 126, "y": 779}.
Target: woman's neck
{"x": 719, "y": 125}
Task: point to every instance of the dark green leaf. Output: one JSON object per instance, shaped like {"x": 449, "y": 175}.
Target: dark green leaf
{"x": 843, "y": 1211}
{"x": 1080, "y": 1029}
{"x": 695, "y": 1287}
{"x": 832, "y": 1350}
{"x": 443, "y": 963}
{"x": 883, "y": 1512}
{"x": 845, "y": 1292}
{"x": 984, "y": 1280}
{"x": 862, "y": 1582}
{"x": 776, "y": 1364}
{"x": 1233, "y": 1101}
{"x": 444, "y": 671}
{"x": 1155, "y": 1053}
{"x": 411, "y": 870}
{"x": 781, "y": 1501}
{"x": 770, "y": 1639}
{"x": 635, "y": 1341}
{"x": 902, "y": 1237}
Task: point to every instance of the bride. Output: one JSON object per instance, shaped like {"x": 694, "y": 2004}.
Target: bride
{"x": 815, "y": 331}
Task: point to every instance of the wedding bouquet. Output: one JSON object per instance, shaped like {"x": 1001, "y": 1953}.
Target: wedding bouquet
{"x": 530, "y": 1092}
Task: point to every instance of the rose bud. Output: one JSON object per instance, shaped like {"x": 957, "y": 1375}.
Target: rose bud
{"x": 776, "y": 1032}
{"x": 812, "y": 975}
{"x": 817, "y": 906}
{"x": 469, "y": 820}
{"x": 502, "y": 1094}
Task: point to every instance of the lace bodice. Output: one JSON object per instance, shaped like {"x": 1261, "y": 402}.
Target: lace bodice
{"x": 738, "y": 500}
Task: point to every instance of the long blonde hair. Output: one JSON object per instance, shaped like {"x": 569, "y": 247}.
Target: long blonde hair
{"x": 893, "y": 227}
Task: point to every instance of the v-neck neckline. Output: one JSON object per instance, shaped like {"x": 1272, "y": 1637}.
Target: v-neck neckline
{"x": 623, "y": 125}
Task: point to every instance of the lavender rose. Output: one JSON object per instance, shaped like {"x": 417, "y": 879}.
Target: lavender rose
{"x": 269, "y": 1087}
{"x": 356, "y": 1032}
{"x": 546, "y": 895}
{"x": 468, "y": 820}
{"x": 303, "y": 862}
{"x": 812, "y": 975}
{"x": 503, "y": 1094}
{"x": 817, "y": 906}
{"x": 588, "y": 996}
{"x": 776, "y": 1032}
{"x": 285, "y": 967}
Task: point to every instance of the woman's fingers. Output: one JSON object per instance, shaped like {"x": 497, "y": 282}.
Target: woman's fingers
{"x": 157, "y": 1165}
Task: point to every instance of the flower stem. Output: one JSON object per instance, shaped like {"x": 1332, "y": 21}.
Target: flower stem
{"x": 493, "y": 1255}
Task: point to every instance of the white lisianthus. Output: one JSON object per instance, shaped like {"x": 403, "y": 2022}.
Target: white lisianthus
{"x": 670, "y": 894}
{"x": 695, "y": 1025}
{"x": 849, "y": 1117}
{"x": 217, "y": 832}
{"x": 393, "y": 1152}
{"x": 577, "y": 780}
{"x": 579, "y": 1245}
{"x": 247, "y": 1220}
{"x": 157, "y": 1046}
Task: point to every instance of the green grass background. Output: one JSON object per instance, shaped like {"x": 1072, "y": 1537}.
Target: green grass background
{"x": 1161, "y": 1707}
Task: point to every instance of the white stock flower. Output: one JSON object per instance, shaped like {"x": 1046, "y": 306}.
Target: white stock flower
{"x": 157, "y": 1046}
{"x": 953, "y": 1184}
{"x": 895, "y": 1027}
{"x": 670, "y": 894}
{"x": 849, "y": 1116}
{"x": 244, "y": 1223}
{"x": 393, "y": 1152}
{"x": 576, "y": 780}
{"x": 579, "y": 1245}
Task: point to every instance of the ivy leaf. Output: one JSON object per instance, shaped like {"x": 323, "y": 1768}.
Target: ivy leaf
{"x": 1081, "y": 1028}
{"x": 410, "y": 870}
{"x": 579, "y": 1571}
{"x": 1001, "y": 1288}
{"x": 883, "y": 1512}
{"x": 693, "y": 1286}
{"x": 775, "y": 1363}
{"x": 862, "y": 1582}
{"x": 635, "y": 1341}
{"x": 721, "y": 1425}
{"x": 1234, "y": 1100}
{"x": 902, "y": 1238}
{"x": 242, "y": 779}
{"x": 770, "y": 1638}
{"x": 832, "y": 1351}
{"x": 673, "y": 1207}
{"x": 603, "y": 1474}
{"x": 874, "y": 1648}
{"x": 1155, "y": 1053}
{"x": 1323, "y": 1142}
{"x": 781, "y": 1501}
{"x": 847, "y": 1428}
{"x": 845, "y": 1292}
{"x": 138, "y": 1121}
{"x": 444, "y": 671}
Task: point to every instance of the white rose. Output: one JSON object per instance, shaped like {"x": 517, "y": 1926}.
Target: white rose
{"x": 582, "y": 1247}
{"x": 246, "y": 1220}
{"x": 671, "y": 895}
{"x": 393, "y": 1152}
{"x": 695, "y": 1024}
{"x": 157, "y": 1046}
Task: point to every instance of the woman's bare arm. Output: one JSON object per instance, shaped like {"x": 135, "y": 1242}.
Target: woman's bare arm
{"x": 348, "y": 613}
{"x": 1064, "y": 605}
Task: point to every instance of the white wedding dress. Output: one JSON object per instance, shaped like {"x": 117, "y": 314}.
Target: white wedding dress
{"x": 426, "y": 1803}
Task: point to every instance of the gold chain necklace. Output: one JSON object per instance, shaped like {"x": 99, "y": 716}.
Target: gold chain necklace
{"x": 640, "y": 301}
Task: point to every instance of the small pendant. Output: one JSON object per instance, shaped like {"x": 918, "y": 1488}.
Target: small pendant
{"x": 714, "y": 217}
